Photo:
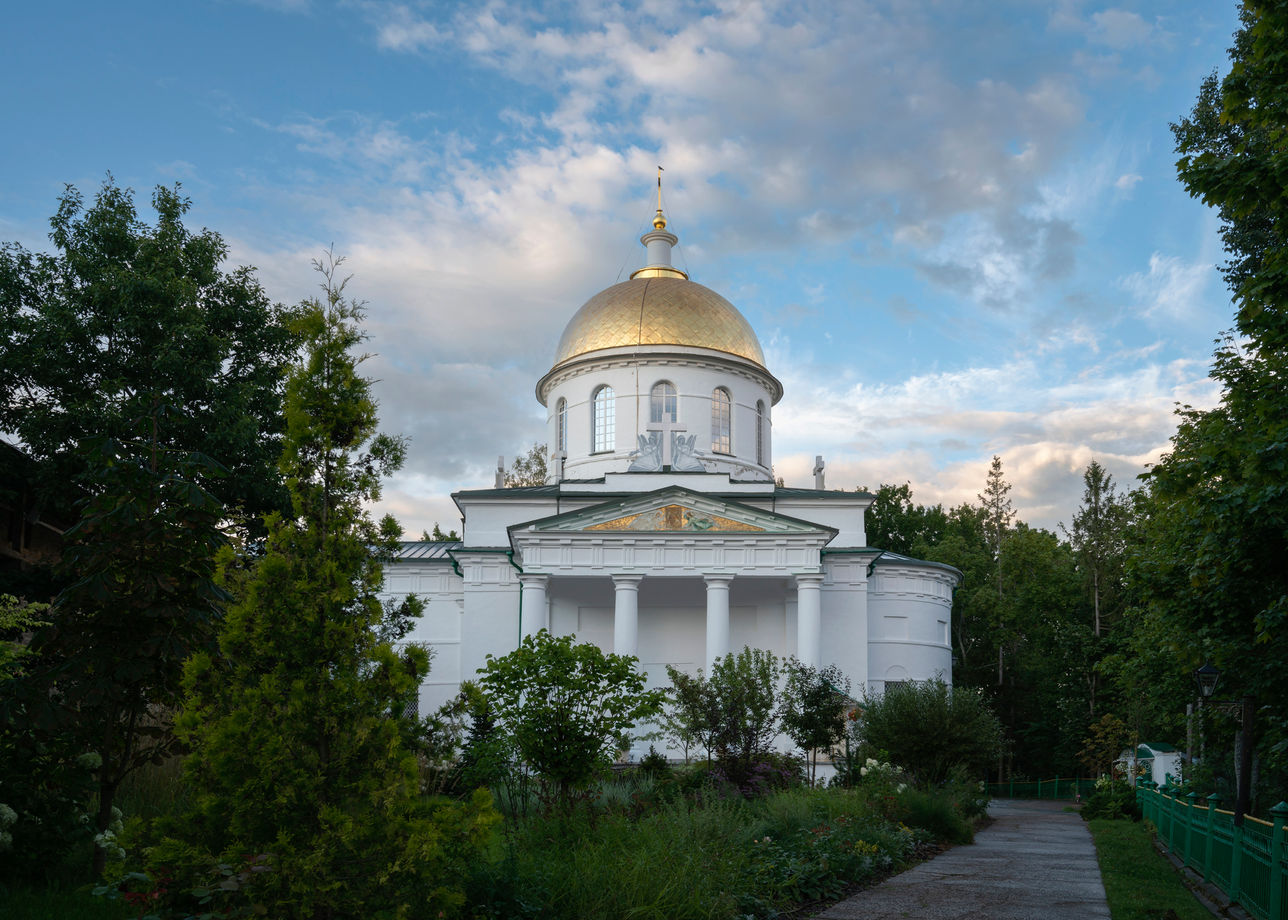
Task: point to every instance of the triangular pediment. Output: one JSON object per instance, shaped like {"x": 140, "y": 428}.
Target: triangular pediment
{"x": 673, "y": 510}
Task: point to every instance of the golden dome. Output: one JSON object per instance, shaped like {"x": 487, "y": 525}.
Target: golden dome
{"x": 659, "y": 311}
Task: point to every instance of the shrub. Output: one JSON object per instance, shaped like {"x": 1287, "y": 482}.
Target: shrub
{"x": 733, "y": 713}
{"x": 929, "y": 728}
{"x": 1112, "y": 798}
{"x": 936, "y": 813}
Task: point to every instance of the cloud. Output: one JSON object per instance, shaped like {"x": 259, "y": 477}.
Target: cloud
{"x": 1172, "y": 290}
{"x": 1120, "y": 29}
{"x": 844, "y": 131}
{"x": 940, "y": 430}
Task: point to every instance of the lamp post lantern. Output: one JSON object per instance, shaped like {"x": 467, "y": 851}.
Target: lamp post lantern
{"x": 1206, "y": 678}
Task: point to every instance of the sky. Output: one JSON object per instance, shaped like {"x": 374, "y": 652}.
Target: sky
{"x": 954, "y": 226}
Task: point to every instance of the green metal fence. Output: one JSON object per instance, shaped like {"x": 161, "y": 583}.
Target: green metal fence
{"x": 1248, "y": 863}
{"x": 1041, "y": 789}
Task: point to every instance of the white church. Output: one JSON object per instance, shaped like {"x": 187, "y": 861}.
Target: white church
{"x": 660, "y": 532}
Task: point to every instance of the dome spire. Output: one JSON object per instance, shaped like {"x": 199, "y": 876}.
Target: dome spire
{"x": 659, "y": 222}
{"x": 658, "y": 242}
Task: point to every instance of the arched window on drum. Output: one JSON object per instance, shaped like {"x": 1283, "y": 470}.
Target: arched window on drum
{"x": 760, "y": 432}
{"x": 603, "y": 419}
{"x": 721, "y": 410}
{"x": 662, "y": 402}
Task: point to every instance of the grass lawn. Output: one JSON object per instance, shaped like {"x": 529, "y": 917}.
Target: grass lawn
{"x": 1139, "y": 883}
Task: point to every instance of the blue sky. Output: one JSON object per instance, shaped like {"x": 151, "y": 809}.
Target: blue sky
{"x": 955, "y": 226}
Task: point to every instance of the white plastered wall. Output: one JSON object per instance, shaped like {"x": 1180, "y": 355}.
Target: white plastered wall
{"x": 695, "y": 377}
{"x": 909, "y": 623}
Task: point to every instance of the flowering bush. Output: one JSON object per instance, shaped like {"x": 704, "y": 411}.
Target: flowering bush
{"x": 1112, "y": 798}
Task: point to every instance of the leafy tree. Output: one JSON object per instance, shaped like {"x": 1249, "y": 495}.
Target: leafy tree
{"x": 568, "y": 706}
{"x": 895, "y": 524}
{"x": 145, "y": 381}
{"x": 815, "y": 703}
{"x": 735, "y": 712}
{"x": 529, "y": 469}
{"x": 1043, "y": 700}
{"x": 964, "y": 546}
{"x": 301, "y": 760}
{"x": 17, "y": 619}
{"x": 1212, "y": 570}
{"x": 125, "y": 319}
{"x": 1106, "y": 739}
{"x": 930, "y": 728}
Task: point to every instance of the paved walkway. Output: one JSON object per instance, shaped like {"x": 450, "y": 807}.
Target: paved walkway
{"x": 1035, "y": 860}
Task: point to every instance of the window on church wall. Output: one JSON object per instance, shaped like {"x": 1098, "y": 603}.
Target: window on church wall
{"x": 561, "y": 425}
{"x": 721, "y": 405}
{"x": 603, "y": 421}
{"x": 760, "y": 432}
{"x": 662, "y": 402}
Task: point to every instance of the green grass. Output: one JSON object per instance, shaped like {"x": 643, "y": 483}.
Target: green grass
{"x": 1139, "y": 883}
{"x": 55, "y": 904}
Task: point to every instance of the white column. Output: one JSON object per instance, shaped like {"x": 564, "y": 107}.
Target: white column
{"x": 626, "y": 612}
{"x": 532, "y": 603}
{"x": 717, "y": 618}
{"x": 809, "y": 607}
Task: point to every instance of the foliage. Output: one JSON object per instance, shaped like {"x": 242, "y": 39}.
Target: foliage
{"x": 438, "y": 536}
{"x": 528, "y": 469}
{"x": 1139, "y": 882}
{"x": 734, "y": 713}
{"x": 1108, "y": 737}
{"x": 568, "y": 707}
{"x": 305, "y": 776}
{"x": 895, "y": 524}
{"x": 1112, "y": 798}
{"x": 815, "y": 702}
{"x": 717, "y": 858}
{"x": 931, "y": 728}
{"x": 17, "y": 619}
{"x": 124, "y": 317}
{"x": 1212, "y": 567}
{"x": 144, "y": 380}
{"x": 1098, "y": 539}
{"x": 936, "y": 813}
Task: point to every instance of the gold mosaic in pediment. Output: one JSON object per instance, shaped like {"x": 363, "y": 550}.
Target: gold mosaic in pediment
{"x": 675, "y": 518}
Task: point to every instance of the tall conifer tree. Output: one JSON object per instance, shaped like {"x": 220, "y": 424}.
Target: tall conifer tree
{"x": 302, "y": 756}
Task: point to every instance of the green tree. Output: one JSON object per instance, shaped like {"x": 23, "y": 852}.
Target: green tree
{"x": 1106, "y": 739}
{"x": 930, "y": 728}
{"x": 1097, "y": 537}
{"x": 145, "y": 381}
{"x": 124, "y": 320}
{"x": 895, "y": 524}
{"x": 995, "y": 502}
{"x": 528, "y": 469}
{"x": 815, "y": 703}
{"x": 18, "y": 618}
{"x": 301, "y": 756}
{"x": 438, "y": 536}
{"x": 568, "y": 706}
{"x": 734, "y": 712}
{"x": 1212, "y": 569}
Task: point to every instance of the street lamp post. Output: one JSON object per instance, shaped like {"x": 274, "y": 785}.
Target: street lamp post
{"x": 1207, "y": 677}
